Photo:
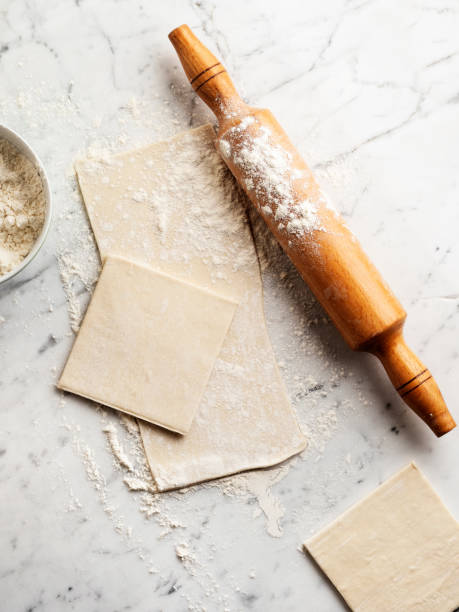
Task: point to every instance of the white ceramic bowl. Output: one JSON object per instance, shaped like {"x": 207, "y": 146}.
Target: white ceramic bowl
{"x": 24, "y": 148}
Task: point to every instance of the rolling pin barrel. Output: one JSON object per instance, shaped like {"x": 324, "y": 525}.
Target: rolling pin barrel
{"x": 314, "y": 236}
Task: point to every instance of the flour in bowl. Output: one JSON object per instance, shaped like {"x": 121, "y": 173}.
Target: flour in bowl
{"x": 22, "y": 206}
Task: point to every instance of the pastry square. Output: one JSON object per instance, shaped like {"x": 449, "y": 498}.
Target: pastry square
{"x": 147, "y": 344}
{"x": 398, "y": 549}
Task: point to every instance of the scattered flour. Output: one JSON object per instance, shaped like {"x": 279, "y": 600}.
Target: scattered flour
{"x": 22, "y": 206}
{"x": 137, "y": 484}
{"x": 186, "y": 556}
{"x": 117, "y": 449}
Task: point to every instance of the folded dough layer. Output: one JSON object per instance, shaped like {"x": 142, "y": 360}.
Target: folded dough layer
{"x": 175, "y": 206}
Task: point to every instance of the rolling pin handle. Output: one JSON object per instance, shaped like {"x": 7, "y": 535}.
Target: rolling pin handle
{"x": 206, "y": 74}
{"x": 413, "y": 382}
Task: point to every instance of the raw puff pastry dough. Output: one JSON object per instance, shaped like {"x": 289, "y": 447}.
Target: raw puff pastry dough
{"x": 174, "y": 206}
{"x": 397, "y": 550}
{"x": 147, "y": 344}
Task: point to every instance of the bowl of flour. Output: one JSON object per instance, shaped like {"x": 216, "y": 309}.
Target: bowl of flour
{"x": 25, "y": 204}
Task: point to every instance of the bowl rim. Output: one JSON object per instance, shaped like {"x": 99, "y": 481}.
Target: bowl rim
{"x": 20, "y": 143}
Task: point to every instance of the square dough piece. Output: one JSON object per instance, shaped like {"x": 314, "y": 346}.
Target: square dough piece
{"x": 174, "y": 205}
{"x": 396, "y": 550}
{"x": 147, "y": 344}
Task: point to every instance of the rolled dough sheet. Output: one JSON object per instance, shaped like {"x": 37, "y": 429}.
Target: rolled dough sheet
{"x": 174, "y": 206}
{"x": 147, "y": 344}
{"x": 397, "y": 550}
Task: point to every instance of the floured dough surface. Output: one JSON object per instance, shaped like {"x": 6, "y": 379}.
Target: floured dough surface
{"x": 398, "y": 549}
{"x": 147, "y": 344}
{"x": 174, "y": 206}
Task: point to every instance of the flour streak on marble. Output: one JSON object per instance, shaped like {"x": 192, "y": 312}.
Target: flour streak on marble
{"x": 367, "y": 92}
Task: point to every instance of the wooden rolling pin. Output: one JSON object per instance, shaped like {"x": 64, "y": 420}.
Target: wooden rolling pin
{"x": 314, "y": 236}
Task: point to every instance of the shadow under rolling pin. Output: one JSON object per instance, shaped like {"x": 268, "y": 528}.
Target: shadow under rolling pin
{"x": 311, "y": 232}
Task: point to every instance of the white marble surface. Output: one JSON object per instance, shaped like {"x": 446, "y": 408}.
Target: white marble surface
{"x": 367, "y": 90}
